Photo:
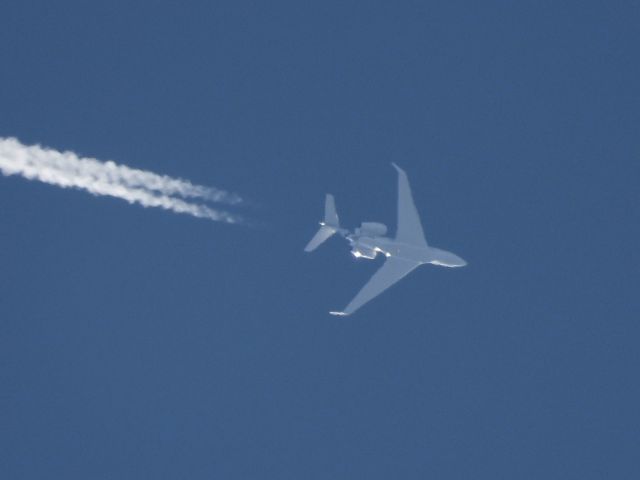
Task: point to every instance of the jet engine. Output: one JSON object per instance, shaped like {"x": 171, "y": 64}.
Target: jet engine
{"x": 371, "y": 229}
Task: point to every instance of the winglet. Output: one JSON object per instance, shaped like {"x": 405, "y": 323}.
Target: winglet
{"x": 339, "y": 314}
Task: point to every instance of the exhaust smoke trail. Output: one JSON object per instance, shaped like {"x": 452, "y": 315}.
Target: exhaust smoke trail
{"x": 67, "y": 170}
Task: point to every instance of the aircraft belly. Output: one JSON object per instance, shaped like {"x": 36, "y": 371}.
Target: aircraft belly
{"x": 408, "y": 252}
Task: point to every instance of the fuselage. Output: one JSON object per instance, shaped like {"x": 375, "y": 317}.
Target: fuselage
{"x": 368, "y": 247}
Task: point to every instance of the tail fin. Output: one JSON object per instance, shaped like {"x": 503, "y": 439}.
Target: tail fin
{"x": 328, "y": 227}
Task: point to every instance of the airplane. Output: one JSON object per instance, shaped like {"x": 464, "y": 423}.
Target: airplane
{"x": 407, "y": 251}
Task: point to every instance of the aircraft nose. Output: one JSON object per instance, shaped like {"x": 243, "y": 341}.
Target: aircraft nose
{"x": 459, "y": 262}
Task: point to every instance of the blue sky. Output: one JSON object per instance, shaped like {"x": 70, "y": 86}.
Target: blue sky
{"x": 136, "y": 343}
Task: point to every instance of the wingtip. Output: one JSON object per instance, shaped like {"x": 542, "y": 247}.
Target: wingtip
{"x": 395, "y": 165}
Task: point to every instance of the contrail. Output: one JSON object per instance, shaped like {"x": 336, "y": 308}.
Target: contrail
{"x": 68, "y": 170}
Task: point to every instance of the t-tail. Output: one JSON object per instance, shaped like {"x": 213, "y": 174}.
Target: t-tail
{"x": 328, "y": 227}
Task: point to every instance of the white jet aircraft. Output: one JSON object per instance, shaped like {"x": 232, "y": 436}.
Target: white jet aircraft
{"x": 404, "y": 253}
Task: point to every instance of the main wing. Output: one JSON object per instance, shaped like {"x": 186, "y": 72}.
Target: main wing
{"x": 409, "y": 225}
{"x": 393, "y": 270}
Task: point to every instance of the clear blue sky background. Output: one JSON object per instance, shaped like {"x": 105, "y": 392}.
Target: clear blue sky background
{"x": 135, "y": 343}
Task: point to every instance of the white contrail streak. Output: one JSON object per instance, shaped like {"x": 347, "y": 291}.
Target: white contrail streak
{"x": 67, "y": 170}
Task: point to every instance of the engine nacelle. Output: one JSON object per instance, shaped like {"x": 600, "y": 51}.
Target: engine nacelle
{"x": 372, "y": 229}
{"x": 360, "y": 251}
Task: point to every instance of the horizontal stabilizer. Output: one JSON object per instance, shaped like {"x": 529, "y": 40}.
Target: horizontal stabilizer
{"x": 330, "y": 213}
{"x": 320, "y": 237}
{"x": 329, "y": 226}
